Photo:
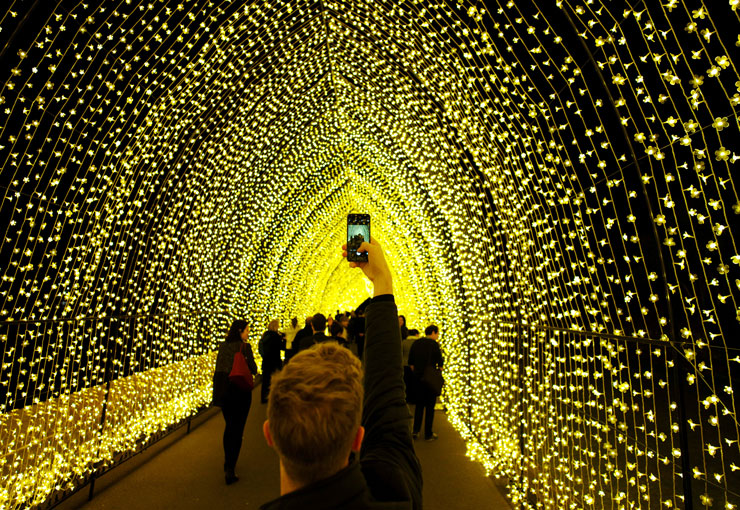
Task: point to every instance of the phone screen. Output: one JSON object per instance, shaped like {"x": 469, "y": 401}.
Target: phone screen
{"x": 358, "y": 231}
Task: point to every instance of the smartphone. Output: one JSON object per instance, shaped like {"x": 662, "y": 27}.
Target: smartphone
{"x": 358, "y": 231}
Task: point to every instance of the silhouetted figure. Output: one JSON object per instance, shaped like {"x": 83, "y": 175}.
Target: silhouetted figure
{"x": 269, "y": 348}
{"x": 424, "y": 352}
{"x": 408, "y": 374}
{"x": 336, "y": 330}
{"x": 357, "y": 331}
{"x": 303, "y": 333}
{"x": 318, "y": 325}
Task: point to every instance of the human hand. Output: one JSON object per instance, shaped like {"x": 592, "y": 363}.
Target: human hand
{"x": 376, "y": 268}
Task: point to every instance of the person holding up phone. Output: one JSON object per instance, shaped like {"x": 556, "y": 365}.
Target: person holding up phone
{"x": 345, "y": 442}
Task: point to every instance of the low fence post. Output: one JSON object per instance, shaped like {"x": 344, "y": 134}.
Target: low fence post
{"x": 679, "y": 396}
{"x": 466, "y": 326}
{"x": 100, "y": 429}
{"x": 520, "y": 352}
{"x": 108, "y": 377}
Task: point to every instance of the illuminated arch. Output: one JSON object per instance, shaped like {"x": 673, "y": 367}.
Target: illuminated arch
{"x": 554, "y": 185}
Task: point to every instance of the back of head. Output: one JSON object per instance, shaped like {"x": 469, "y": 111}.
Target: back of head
{"x": 336, "y": 329}
{"x": 431, "y": 329}
{"x": 274, "y": 325}
{"x": 314, "y": 410}
{"x": 318, "y": 323}
{"x": 414, "y": 332}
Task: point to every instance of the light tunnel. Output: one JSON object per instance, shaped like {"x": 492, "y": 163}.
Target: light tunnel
{"x": 554, "y": 184}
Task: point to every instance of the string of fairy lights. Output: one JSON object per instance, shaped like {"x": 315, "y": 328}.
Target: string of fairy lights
{"x": 552, "y": 182}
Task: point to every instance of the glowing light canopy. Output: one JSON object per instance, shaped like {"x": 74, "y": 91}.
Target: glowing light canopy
{"x": 553, "y": 183}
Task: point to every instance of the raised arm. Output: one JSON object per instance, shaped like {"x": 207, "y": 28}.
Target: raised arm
{"x": 388, "y": 459}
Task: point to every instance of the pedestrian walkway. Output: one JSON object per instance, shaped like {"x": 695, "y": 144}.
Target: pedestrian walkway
{"x": 185, "y": 471}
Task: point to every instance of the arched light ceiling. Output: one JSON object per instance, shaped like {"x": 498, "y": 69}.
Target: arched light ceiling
{"x": 533, "y": 169}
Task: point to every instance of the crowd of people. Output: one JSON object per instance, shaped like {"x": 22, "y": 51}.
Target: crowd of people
{"x": 338, "y": 431}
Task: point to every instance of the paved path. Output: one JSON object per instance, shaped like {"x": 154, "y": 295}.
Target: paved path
{"x": 185, "y": 471}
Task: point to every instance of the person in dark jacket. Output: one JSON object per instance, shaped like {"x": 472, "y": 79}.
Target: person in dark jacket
{"x": 233, "y": 401}
{"x": 269, "y": 349}
{"x": 424, "y": 352}
{"x": 335, "y": 331}
{"x": 321, "y": 410}
{"x": 408, "y": 374}
{"x": 318, "y": 326}
{"x": 357, "y": 331}
{"x": 303, "y": 333}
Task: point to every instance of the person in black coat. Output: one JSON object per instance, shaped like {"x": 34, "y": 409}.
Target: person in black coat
{"x": 408, "y": 374}
{"x": 318, "y": 326}
{"x": 233, "y": 401}
{"x": 344, "y": 440}
{"x": 303, "y": 333}
{"x": 425, "y": 352}
{"x": 336, "y": 330}
{"x": 269, "y": 349}
{"x": 357, "y": 331}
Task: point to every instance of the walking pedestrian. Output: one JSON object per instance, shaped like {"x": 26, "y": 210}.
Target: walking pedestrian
{"x": 423, "y": 353}
{"x": 269, "y": 349}
{"x": 233, "y": 401}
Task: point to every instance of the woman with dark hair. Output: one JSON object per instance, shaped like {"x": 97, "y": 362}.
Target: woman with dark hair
{"x": 233, "y": 401}
{"x": 402, "y": 325}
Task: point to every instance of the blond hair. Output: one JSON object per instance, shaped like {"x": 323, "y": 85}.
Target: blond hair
{"x": 274, "y": 325}
{"x": 314, "y": 410}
